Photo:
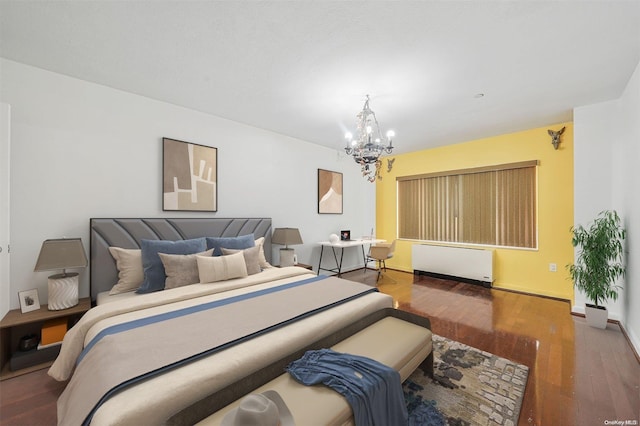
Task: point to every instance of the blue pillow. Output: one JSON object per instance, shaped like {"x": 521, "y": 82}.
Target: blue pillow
{"x": 152, "y": 266}
{"x": 237, "y": 243}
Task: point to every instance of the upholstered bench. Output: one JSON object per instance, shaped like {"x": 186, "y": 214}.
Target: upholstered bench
{"x": 395, "y": 338}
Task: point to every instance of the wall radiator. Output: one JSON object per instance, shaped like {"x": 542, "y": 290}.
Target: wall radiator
{"x": 468, "y": 263}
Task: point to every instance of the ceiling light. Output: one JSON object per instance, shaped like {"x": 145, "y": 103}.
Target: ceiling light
{"x": 369, "y": 144}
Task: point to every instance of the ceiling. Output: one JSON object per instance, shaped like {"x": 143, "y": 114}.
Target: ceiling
{"x": 303, "y": 68}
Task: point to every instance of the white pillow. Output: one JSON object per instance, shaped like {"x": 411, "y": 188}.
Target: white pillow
{"x": 220, "y": 268}
{"x": 130, "y": 273}
{"x": 251, "y": 256}
{"x": 261, "y": 259}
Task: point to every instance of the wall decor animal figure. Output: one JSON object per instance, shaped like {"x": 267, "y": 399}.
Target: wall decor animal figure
{"x": 390, "y": 163}
{"x": 555, "y": 137}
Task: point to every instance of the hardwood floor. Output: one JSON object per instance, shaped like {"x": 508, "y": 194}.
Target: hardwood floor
{"x": 578, "y": 375}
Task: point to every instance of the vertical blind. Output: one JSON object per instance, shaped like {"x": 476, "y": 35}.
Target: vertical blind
{"x": 493, "y": 205}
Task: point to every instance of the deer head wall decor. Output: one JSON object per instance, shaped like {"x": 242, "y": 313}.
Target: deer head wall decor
{"x": 555, "y": 137}
{"x": 390, "y": 163}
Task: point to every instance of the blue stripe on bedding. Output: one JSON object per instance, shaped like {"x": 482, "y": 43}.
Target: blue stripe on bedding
{"x": 187, "y": 311}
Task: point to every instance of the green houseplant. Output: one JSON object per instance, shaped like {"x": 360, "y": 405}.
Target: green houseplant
{"x": 598, "y": 263}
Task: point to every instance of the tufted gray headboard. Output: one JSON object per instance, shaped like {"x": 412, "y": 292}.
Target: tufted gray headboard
{"x": 127, "y": 233}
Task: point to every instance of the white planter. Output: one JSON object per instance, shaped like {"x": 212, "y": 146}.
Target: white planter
{"x": 596, "y": 316}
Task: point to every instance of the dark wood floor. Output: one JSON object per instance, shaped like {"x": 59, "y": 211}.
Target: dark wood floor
{"x": 578, "y": 375}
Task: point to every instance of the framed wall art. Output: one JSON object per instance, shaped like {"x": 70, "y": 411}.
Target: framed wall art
{"x": 29, "y": 300}
{"x": 189, "y": 176}
{"x": 329, "y": 192}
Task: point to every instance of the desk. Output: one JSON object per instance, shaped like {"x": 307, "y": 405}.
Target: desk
{"x": 343, "y": 245}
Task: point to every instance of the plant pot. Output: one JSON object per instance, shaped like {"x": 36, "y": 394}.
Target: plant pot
{"x": 596, "y": 316}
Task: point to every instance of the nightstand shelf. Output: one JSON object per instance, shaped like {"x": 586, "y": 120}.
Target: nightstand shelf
{"x": 301, "y": 265}
{"x": 15, "y": 324}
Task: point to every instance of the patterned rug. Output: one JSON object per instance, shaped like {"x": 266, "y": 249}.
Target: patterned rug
{"x": 470, "y": 387}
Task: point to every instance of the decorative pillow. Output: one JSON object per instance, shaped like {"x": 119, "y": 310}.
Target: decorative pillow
{"x": 238, "y": 243}
{"x": 152, "y": 265}
{"x": 220, "y": 268}
{"x": 261, "y": 259}
{"x": 181, "y": 269}
{"x": 250, "y": 258}
{"x": 129, "y": 264}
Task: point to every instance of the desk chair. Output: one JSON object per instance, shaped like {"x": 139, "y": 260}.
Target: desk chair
{"x": 380, "y": 253}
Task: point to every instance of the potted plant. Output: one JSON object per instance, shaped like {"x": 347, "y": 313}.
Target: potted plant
{"x": 598, "y": 264}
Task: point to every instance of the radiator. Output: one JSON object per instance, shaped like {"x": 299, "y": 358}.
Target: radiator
{"x": 468, "y": 263}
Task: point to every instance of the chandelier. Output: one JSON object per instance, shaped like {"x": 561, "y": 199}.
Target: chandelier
{"x": 368, "y": 144}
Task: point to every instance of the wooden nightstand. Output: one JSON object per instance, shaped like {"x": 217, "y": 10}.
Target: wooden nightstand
{"x": 15, "y": 324}
{"x": 302, "y": 265}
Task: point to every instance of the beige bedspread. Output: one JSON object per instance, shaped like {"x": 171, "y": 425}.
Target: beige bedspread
{"x": 75, "y": 338}
{"x": 156, "y": 399}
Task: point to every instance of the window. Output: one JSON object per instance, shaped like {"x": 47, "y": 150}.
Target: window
{"x": 493, "y": 205}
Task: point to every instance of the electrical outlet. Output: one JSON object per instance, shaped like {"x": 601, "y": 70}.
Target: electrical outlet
{"x": 553, "y": 267}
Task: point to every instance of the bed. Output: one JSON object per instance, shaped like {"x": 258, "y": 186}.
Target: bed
{"x": 274, "y": 313}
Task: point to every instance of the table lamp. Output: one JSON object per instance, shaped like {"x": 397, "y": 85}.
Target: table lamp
{"x": 286, "y": 236}
{"x": 62, "y": 254}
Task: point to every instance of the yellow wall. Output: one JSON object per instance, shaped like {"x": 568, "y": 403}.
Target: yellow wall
{"x": 514, "y": 269}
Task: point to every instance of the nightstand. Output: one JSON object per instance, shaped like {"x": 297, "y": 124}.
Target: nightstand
{"x": 302, "y": 265}
{"x": 15, "y": 324}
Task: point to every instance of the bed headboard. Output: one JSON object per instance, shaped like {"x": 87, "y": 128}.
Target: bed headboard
{"x": 127, "y": 233}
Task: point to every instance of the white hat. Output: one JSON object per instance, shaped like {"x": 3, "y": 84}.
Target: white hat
{"x": 260, "y": 409}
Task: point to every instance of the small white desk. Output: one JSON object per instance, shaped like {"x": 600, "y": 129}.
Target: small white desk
{"x": 343, "y": 245}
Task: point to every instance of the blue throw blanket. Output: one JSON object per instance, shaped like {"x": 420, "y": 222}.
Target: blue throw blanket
{"x": 373, "y": 390}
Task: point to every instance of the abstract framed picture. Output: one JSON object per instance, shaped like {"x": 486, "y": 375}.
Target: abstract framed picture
{"x": 189, "y": 176}
{"x": 29, "y": 300}
{"x": 329, "y": 192}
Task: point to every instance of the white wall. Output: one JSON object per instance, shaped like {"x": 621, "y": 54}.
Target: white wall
{"x": 593, "y": 175}
{"x": 5, "y": 120}
{"x": 81, "y": 150}
{"x": 606, "y": 159}
{"x": 626, "y": 198}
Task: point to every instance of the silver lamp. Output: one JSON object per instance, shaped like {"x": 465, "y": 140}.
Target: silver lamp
{"x": 62, "y": 254}
{"x": 286, "y": 236}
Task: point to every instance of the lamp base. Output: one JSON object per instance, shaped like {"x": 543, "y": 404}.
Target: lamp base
{"x": 287, "y": 257}
{"x": 63, "y": 291}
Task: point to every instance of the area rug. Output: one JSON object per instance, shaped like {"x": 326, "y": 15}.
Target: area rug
{"x": 470, "y": 387}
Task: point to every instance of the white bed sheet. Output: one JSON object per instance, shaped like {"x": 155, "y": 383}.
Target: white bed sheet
{"x": 105, "y": 297}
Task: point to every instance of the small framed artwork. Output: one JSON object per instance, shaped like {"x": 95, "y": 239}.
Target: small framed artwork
{"x": 189, "y": 176}
{"x": 29, "y": 300}
{"x": 329, "y": 192}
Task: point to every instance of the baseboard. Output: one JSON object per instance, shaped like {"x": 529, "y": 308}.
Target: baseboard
{"x": 609, "y": 320}
{"x": 544, "y": 296}
{"x": 634, "y": 348}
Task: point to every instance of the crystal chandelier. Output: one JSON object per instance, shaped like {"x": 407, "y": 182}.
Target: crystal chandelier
{"x": 369, "y": 144}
